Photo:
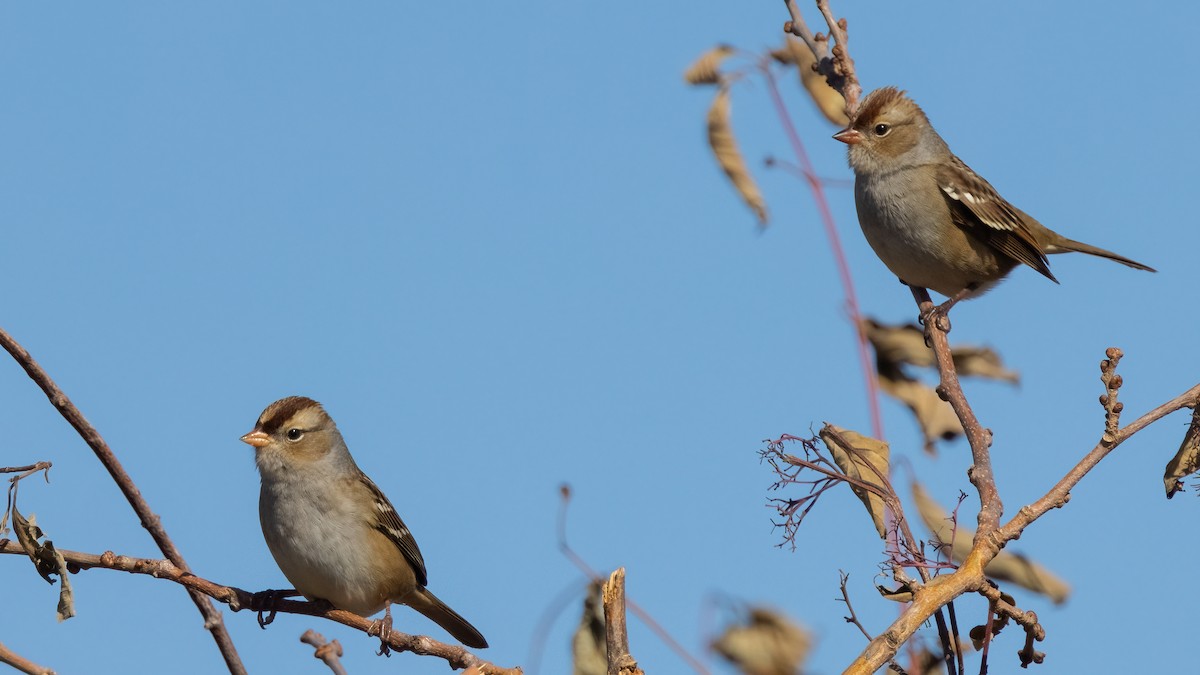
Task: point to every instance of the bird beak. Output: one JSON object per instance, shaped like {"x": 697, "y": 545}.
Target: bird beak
{"x": 848, "y": 136}
{"x": 256, "y": 438}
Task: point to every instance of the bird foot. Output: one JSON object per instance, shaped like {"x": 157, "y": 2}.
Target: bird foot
{"x": 383, "y": 629}
{"x": 267, "y": 602}
{"x": 937, "y": 316}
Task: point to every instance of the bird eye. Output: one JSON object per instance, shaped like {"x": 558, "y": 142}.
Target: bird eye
{"x": 882, "y": 129}
{"x": 294, "y": 434}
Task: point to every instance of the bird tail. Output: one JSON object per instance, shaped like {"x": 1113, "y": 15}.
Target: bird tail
{"x": 428, "y": 604}
{"x": 1068, "y": 245}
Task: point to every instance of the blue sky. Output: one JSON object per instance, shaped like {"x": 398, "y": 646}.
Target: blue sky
{"x": 491, "y": 240}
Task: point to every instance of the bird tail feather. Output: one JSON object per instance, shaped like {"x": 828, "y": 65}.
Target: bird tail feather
{"x": 1068, "y": 245}
{"x": 440, "y": 613}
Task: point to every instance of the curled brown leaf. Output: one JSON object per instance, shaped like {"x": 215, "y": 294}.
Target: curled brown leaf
{"x": 897, "y": 346}
{"x": 935, "y": 416}
{"x": 767, "y": 644}
{"x": 46, "y": 559}
{"x": 982, "y": 362}
{"x": 863, "y": 458}
{"x": 1006, "y": 566}
{"x": 707, "y": 68}
{"x": 831, "y": 103}
{"x": 589, "y": 645}
{"x": 1187, "y": 460}
{"x": 724, "y": 147}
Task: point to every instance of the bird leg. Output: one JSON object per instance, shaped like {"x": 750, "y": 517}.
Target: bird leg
{"x": 941, "y": 313}
{"x": 383, "y": 628}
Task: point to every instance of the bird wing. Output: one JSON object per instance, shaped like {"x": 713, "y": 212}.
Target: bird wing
{"x": 976, "y": 207}
{"x": 389, "y": 523}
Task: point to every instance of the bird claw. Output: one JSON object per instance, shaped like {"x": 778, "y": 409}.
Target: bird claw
{"x": 938, "y": 316}
{"x": 266, "y": 602}
{"x": 941, "y": 315}
{"x": 383, "y": 629}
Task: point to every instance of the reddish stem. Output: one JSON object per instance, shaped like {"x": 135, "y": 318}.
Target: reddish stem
{"x": 835, "y": 243}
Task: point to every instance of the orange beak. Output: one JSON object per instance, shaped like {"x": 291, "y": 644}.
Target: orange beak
{"x": 256, "y": 438}
{"x": 848, "y": 136}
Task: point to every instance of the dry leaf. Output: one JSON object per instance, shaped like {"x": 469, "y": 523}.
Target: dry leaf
{"x": 46, "y": 560}
{"x": 828, "y": 100}
{"x": 1010, "y": 567}
{"x": 901, "y": 594}
{"x": 982, "y": 362}
{"x": 1020, "y": 570}
{"x": 979, "y": 633}
{"x": 769, "y": 644}
{"x": 589, "y": 646}
{"x": 724, "y": 147}
{"x": 1187, "y": 460}
{"x": 903, "y": 344}
{"x": 898, "y": 346}
{"x": 871, "y": 452}
{"x": 706, "y": 69}
{"x": 935, "y": 416}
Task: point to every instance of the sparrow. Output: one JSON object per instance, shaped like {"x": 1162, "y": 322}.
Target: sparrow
{"x": 334, "y": 534}
{"x": 933, "y": 221}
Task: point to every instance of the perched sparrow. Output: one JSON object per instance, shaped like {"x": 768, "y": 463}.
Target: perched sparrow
{"x": 332, "y": 532}
{"x": 932, "y": 220}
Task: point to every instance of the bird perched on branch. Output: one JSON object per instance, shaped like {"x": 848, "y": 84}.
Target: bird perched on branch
{"x": 331, "y": 530}
{"x": 933, "y": 221}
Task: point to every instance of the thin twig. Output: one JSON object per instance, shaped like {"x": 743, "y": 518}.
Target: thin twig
{"x": 853, "y": 618}
{"x": 541, "y": 632}
{"x": 843, "y": 65}
{"x": 212, "y": 617}
{"x": 987, "y": 637}
{"x": 835, "y": 244}
{"x": 834, "y": 63}
{"x": 799, "y": 28}
{"x": 970, "y": 575}
{"x": 1060, "y": 494}
{"x": 11, "y": 658}
{"x": 654, "y": 626}
{"x": 328, "y": 652}
{"x": 888, "y": 493}
{"x": 239, "y": 599}
{"x": 827, "y": 181}
{"x": 1027, "y": 620}
{"x": 958, "y": 651}
{"x": 28, "y": 469}
{"x": 980, "y": 439}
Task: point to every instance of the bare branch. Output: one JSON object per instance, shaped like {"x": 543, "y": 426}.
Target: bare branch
{"x": 27, "y": 470}
{"x": 980, "y": 439}
{"x": 620, "y": 661}
{"x": 1001, "y": 607}
{"x": 905, "y": 538}
{"x": 834, "y": 63}
{"x": 328, "y": 652}
{"x": 10, "y": 658}
{"x": 853, "y": 618}
{"x": 991, "y": 537}
{"x": 651, "y": 623}
{"x": 238, "y": 599}
{"x": 1060, "y": 494}
{"x": 212, "y": 618}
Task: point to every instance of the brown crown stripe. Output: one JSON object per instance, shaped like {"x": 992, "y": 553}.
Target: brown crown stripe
{"x": 283, "y": 410}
